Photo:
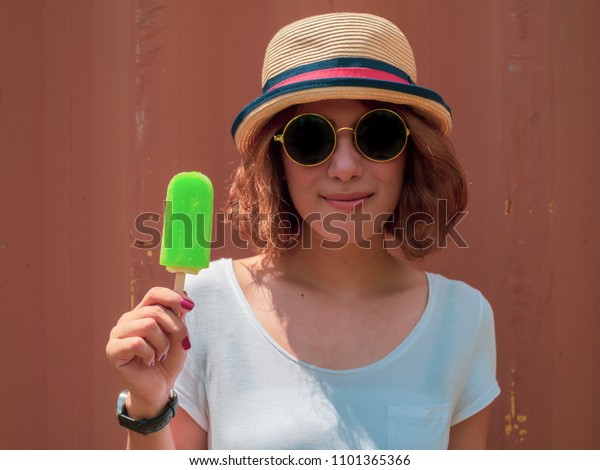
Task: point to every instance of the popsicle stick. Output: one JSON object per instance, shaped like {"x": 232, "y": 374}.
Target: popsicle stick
{"x": 179, "y": 282}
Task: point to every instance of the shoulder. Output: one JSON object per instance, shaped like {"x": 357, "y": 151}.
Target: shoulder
{"x": 223, "y": 275}
{"x": 212, "y": 277}
{"x": 455, "y": 291}
{"x": 211, "y": 288}
{"x": 217, "y": 289}
{"x": 215, "y": 293}
{"x": 457, "y": 301}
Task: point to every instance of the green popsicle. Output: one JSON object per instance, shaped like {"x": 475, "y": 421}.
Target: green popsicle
{"x": 187, "y": 226}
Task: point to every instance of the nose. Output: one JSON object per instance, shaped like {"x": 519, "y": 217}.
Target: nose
{"x": 346, "y": 162}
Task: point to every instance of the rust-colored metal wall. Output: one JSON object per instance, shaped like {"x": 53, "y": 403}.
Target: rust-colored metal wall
{"x": 101, "y": 101}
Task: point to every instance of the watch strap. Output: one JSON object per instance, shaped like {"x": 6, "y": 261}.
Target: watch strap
{"x": 146, "y": 426}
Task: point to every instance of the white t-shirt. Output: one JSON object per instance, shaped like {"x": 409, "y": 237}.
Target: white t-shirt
{"x": 249, "y": 393}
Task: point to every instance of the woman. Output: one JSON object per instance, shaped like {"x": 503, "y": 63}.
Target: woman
{"x": 326, "y": 339}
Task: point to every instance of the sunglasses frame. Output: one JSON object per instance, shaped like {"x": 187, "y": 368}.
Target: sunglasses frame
{"x": 280, "y": 137}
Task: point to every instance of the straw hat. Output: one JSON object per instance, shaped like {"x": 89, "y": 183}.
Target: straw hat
{"x": 337, "y": 56}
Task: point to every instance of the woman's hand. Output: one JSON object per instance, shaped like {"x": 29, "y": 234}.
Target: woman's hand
{"x": 148, "y": 347}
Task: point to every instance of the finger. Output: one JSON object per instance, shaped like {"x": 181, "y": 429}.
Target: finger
{"x": 150, "y": 331}
{"x": 159, "y": 327}
{"x": 121, "y": 351}
{"x": 167, "y": 298}
{"x": 166, "y": 319}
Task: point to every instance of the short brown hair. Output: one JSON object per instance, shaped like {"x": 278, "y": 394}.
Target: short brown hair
{"x": 260, "y": 207}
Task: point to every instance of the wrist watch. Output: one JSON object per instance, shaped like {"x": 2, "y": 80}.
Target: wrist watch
{"x": 146, "y": 426}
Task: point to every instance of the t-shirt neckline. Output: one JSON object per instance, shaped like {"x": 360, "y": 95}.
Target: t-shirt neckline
{"x": 410, "y": 339}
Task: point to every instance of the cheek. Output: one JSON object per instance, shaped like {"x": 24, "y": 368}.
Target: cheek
{"x": 391, "y": 176}
{"x": 298, "y": 181}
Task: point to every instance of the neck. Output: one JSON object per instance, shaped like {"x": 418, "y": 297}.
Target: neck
{"x": 346, "y": 270}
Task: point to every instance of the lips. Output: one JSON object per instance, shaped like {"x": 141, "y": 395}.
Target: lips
{"x": 347, "y": 201}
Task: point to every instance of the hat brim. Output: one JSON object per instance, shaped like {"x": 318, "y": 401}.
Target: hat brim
{"x": 255, "y": 115}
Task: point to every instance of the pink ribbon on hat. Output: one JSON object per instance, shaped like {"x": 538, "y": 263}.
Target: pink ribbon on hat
{"x": 341, "y": 72}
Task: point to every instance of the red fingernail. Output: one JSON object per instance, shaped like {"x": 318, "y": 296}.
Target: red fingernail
{"x": 187, "y": 304}
{"x": 186, "y": 343}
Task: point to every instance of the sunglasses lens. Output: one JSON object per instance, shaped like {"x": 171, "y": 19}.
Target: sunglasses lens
{"x": 381, "y": 135}
{"x": 309, "y": 139}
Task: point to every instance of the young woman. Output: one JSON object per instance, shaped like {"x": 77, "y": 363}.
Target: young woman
{"x": 327, "y": 339}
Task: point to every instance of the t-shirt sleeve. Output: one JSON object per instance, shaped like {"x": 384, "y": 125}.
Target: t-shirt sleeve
{"x": 190, "y": 385}
{"x": 191, "y": 391}
{"x": 481, "y": 386}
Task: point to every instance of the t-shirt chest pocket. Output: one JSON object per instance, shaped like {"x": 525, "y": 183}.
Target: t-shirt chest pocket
{"x": 418, "y": 428}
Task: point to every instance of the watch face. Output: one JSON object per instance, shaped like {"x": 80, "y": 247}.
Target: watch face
{"x": 121, "y": 402}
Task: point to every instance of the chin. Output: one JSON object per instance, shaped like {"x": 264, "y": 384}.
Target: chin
{"x": 332, "y": 235}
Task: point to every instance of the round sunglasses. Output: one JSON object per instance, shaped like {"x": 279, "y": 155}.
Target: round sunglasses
{"x": 310, "y": 139}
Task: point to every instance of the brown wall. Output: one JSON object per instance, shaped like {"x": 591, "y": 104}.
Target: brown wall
{"x": 101, "y": 101}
